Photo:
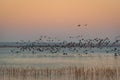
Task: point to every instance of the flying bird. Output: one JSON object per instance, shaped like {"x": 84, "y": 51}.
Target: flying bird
{"x": 78, "y": 25}
{"x": 86, "y": 25}
{"x": 81, "y": 25}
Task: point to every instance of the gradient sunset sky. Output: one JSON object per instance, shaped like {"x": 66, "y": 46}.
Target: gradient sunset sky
{"x": 29, "y": 19}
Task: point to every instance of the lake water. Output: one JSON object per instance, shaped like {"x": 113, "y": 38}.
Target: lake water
{"x": 55, "y": 62}
{"x": 57, "y": 59}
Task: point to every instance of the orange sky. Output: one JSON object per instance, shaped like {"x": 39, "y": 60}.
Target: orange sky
{"x": 57, "y": 17}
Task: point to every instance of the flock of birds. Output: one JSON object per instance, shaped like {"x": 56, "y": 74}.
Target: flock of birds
{"x": 46, "y": 44}
{"x": 52, "y": 46}
{"x": 79, "y": 25}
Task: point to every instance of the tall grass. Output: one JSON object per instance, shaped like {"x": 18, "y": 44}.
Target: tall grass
{"x": 63, "y": 73}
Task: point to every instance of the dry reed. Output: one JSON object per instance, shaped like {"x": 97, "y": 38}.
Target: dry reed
{"x": 63, "y": 73}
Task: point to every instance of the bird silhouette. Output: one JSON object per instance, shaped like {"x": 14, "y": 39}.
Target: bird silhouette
{"x": 86, "y": 25}
{"x": 81, "y": 25}
{"x": 78, "y": 25}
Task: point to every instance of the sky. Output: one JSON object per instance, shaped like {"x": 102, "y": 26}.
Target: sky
{"x": 29, "y": 19}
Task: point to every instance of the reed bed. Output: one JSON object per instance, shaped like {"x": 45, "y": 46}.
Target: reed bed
{"x": 63, "y": 73}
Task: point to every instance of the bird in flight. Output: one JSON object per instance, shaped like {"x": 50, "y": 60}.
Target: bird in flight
{"x": 78, "y": 25}
{"x": 85, "y": 24}
{"x": 81, "y": 25}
